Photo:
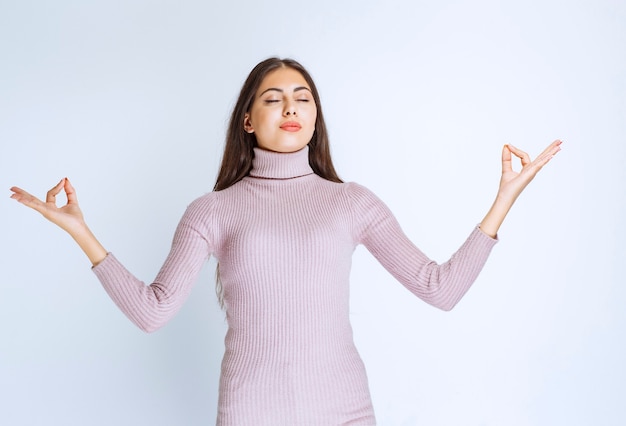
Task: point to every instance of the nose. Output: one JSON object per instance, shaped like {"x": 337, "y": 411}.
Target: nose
{"x": 290, "y": 109}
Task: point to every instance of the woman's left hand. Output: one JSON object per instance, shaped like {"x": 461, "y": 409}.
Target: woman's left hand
{"x": 512, "y": 183}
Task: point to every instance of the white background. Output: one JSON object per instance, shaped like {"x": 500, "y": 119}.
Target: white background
{"x": 130, "y": 99}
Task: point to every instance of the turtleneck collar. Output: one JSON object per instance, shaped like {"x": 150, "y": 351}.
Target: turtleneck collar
{"x": 278, "y": 165}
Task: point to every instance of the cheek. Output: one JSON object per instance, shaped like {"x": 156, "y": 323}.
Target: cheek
{"x": 258, "y": 120}
{"x": 310, "y": 112}
{"x": 314, "y": 119}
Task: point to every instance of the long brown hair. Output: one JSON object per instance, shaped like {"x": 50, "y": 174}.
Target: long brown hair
{"x": 238, "y": 150}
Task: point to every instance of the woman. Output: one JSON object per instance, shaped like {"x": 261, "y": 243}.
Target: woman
{"x": 283, "y": 227}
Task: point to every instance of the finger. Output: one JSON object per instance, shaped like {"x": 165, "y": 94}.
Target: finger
{"x": 552, "y": 149}
{"x": 507, "y": 166}
{"x": 70, "y": 192}
{"x": 51, "y": 195}
{"x": 548, "y": 154}
{"x": 556, "y": 143}
{"x": 521, "y": 155}
{"x": 25, "y": 198}
{"x": 19, "y": 193}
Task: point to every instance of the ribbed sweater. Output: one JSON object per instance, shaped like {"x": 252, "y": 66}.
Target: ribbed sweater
{"x": 284, "y": 238}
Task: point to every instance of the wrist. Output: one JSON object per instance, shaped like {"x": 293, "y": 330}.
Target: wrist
{"x": 89, "y": 244}
{"x": 505, "y": 200}
{"x": 496, "y": 214}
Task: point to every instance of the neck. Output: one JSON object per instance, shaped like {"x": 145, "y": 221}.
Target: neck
{"x": 279, "y": 165}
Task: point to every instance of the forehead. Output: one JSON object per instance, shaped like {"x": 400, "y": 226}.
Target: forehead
{"x": 283, "y": 78}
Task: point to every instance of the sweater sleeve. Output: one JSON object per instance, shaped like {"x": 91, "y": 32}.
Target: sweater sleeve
{"x": 441, "y": 285}
{"x": 151, "y": 306}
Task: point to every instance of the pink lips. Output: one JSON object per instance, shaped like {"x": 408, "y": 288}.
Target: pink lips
{"x": 291, "y": 126}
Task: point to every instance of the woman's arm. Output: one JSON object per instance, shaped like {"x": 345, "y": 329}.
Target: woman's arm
{"x": 69, "y": 217}
{"x": 148, "y": 306}
{"x": 513, "y": 183}
{"x": 441, "y": 285}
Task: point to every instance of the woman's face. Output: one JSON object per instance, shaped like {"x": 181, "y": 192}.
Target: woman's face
{"x": 283, "y": 112}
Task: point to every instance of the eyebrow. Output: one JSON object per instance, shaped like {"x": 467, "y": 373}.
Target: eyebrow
{"x": 276, "y": 89}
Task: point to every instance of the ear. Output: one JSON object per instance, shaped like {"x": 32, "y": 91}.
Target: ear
{"x": 247, "y": 125}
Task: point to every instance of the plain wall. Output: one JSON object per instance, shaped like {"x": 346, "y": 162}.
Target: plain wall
{"x": 130, "y": 99}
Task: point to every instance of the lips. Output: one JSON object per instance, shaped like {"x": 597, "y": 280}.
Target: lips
{"x": 291, "y": 126}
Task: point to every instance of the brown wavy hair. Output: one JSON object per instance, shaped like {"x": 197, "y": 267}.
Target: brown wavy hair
{"x": 238, "y": 149}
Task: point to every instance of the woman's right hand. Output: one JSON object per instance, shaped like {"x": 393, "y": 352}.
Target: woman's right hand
{"x": 69, "y": 217}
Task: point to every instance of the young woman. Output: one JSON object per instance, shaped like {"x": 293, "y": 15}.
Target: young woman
{"x": 283, "y": 228}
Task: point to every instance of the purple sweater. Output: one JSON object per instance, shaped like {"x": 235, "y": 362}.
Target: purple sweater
{"x": 284, "y": 239}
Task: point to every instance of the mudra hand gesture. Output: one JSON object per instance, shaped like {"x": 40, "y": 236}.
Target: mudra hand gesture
{"x": 512, "y": 183}
{"x": 68, "y": 217}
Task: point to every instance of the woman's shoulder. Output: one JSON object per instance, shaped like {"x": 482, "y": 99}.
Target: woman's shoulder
{"x": 214, "y": 200}
{"x": 204, "y": 202}
{"x": 356, "y": 191}
{"x": 348, "y": 190}
{"x": 364, "y": 200}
